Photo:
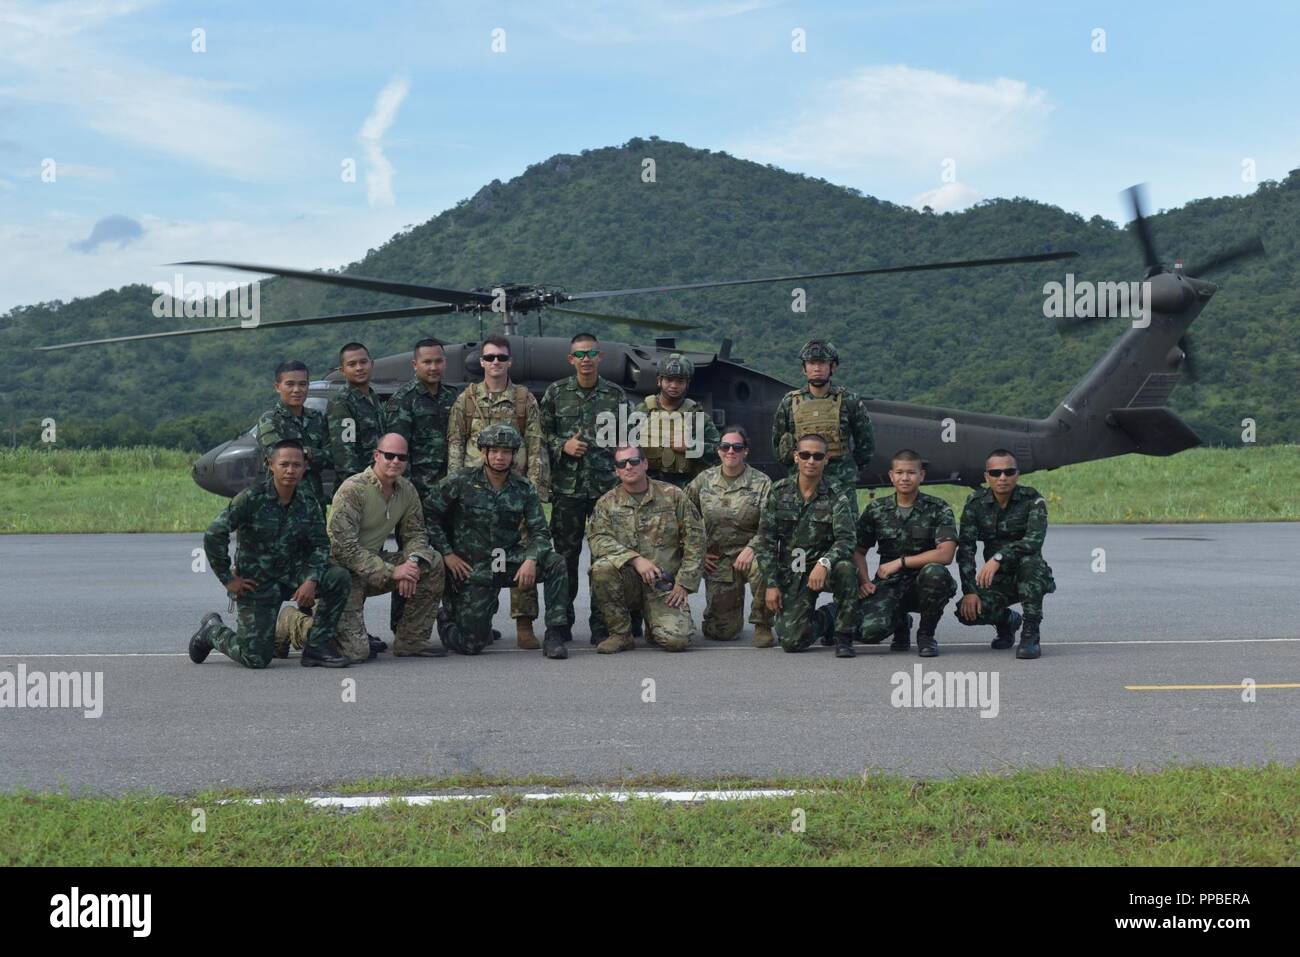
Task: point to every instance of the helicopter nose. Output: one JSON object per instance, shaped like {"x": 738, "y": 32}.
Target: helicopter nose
{"x": 204, "y": 471}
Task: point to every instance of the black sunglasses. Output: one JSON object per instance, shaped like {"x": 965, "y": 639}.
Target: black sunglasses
{"x": 998, "y": 473}
{"x": 400, "y": 456}
{"x": 495, "y": 357}
{"x": 815, "y": 456}
{"x": 629, "y": 461}
{"x": 732, "y": 446}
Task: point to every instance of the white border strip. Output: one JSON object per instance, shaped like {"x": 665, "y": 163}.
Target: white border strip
{"x": 423, "y": 800}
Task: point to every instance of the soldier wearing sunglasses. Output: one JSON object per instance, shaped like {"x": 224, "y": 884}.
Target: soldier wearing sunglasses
{"x": 1011, "y": 521}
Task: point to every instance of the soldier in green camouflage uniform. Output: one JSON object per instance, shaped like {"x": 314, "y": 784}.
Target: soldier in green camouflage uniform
{"x": 1011, "y": 521}
{"x": 835, "y": 413}
{"x": 916, "y": 536}
{"x": 582, "y": 470}
{"x": 730, "y": 498}
{"x": 647, "y": 552}
{"x": 290, "y": 418}
{"x": 419, "y": 412}
{"x": 678, "y": 436}
{"x": 283, "y": 554}
{"x": 355, "y": 416}
{"x": 806, "y": 547}
{"x": 476, "y": 519}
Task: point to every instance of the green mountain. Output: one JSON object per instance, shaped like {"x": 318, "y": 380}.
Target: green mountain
{"x": 975, "y": 339}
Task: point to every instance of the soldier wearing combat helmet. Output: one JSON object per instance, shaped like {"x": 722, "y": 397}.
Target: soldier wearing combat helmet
{"x": 678, "y": 438}
{"x": 833, "y": 412}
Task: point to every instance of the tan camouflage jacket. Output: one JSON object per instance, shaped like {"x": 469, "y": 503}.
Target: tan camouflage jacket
{"x": 361, "y": 521}
{"x": 475, "y": 409}
{"x": 730, "y": 509}
{"x": 664, "y": 527}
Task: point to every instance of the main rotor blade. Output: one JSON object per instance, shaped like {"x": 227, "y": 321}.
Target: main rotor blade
{"x": 667, "y": 324}
{"x": 922, "y": 267}
{"x": 1135, "y": 199}
{"x": 1247, "y": 250}
{"x": 458, "y": 296}
{"x": 312, "y": 321}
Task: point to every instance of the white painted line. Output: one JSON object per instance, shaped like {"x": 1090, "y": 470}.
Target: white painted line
{"x": 423, "y": 800}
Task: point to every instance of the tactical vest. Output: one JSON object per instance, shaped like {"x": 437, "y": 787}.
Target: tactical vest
{"x": 819, "y": 417}
{"x": 478, "y": 418}
{"x": 664, "y": 425}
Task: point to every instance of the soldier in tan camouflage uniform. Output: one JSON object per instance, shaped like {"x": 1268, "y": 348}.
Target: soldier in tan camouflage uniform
{"x": 678, "y": 437}
{"x": 367, "y": 508}
{"x": 496, "y": 399}
{"x": 730, "y": 498}
{"x": 647, "y": 551}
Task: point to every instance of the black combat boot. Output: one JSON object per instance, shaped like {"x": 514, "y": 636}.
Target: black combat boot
{"x": 553, "y": 642}
{"x": 902, "y": 634}
{"x": 1007, "y": 626}
{"x": 926, "y": 645}
{"x": 827, "y": 613}
{"x": 200, "y": 644}
{"x": 844, "y": 645}
{"x": 323, "y": 656}
{"x": 1029, "y": 640}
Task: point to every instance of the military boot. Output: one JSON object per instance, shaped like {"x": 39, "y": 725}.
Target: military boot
{"x": 844, "y": 645}
{"x": 324, "y": 657}
{"x": 524, "y": 636}
{"x": 1007, "y": 626}
{"x": 1029, "y": 640}
{"x": 763, "y": 637}
{"x": 283, "y": 637}
{"x": 614, "y": 644}
{"x": 926, "y": 645}
{"x": 827, "y": 613}
{"x": 200, "y": 643}
{"x": 599, "y": 634}
{"x": 553, "y": 641}
{"x": 902, "y": 634}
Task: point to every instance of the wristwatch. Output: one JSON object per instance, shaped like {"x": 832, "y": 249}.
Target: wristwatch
{"x": 824, "y": 562}
{"x": 997, "y": 556}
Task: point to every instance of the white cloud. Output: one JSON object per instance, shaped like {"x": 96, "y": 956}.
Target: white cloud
{"x": 948, "y": 197}
{"x": 901, "y": 115}
{"x": 379, "y": 171}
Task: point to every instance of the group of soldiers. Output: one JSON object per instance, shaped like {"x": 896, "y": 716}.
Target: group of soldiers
{"x": 458, "y": 478}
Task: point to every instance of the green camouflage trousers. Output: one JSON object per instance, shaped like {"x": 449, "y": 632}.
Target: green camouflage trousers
{"x": 724, "y": 596}
{"x": 1025, "y": 581}
{"x": 619, "y": 591}
{"x": 472, "y": 603}
{"x": 928, "y": 591}
{"x": 416, "y": 624}
{"x": 798, "y": 626}
{"x": 253, "y": 646}
{"x": 568, "y": 527}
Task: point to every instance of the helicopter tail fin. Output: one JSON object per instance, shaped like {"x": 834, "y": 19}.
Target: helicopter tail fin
{"x": 1155, "y": 431}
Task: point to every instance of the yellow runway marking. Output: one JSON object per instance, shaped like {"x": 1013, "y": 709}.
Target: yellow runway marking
{"x": 1239, "y": 686}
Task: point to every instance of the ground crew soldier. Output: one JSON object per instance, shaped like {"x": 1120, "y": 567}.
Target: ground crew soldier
{"x": 836, "y": 414}
{"x": 497, "y": 399}
{"x": 290, "y": 418}
{"x": 806, "y": 547}
{"x": 647, "y": 552}
{"x": 488, "y": 524}
{"x": 730, "y": 499}
{"x": 355, "y": 416}
{"x": 678, "y": 438}
{"x": 582, "y": 469}
{"x": 916, "y": 536}
{"x": 283, "y": 554}
{"x": 1011, "y": 522}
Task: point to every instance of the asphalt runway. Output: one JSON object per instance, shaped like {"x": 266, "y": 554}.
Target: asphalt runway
{"x": 1177, "y": 605}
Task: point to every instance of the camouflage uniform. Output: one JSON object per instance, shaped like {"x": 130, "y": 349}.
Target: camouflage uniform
{"x": 851, "y": 441}
{"x": 665, "y": 464}
{"x": 421, "y": 417}
{"x": 469, "y": 517}
{"x": 279, "y": 423}
{"x": 360, "y": 523}
{"x": 663, "y": 526}
{"x": 730, "y": 508}
{"x": 821, "y": 527}
{"x": 475, "y": 409}
{"x": 280, "y": 547}
{"x": 926, "y": 589}
{"x": 369, "y": 425}
{"x": 1017, "y": 532}
{"x": 576, "y": 483}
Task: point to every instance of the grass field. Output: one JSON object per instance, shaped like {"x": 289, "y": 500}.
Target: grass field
{"x": 1176, "y": 816}
{"x": 150, "y": 490}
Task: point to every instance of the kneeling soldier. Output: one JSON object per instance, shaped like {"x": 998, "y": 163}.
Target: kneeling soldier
{"x": 647, "y": 552}
{"x": 807, "y": 523}
{"x": 283, "y": 554}
{"x": 477, "y": 518}
{"x": 917, "y": 537}
{"x": 1012, "y": 523}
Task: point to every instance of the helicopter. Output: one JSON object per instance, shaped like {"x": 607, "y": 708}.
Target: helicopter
{"x": 1118, "y": 407}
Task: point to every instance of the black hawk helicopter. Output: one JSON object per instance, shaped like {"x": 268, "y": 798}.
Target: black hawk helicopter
{"x": 1118, "y": 407}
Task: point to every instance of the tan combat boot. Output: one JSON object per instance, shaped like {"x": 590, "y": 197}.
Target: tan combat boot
{"x": 614, "y": 644}
{"x": 763, "y": 637}
{"x": 291, "y": 627}
{"x": 524, "y": 636}
{"x": 675, "y": 644}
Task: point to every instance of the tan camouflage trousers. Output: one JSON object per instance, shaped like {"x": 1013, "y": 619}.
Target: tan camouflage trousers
{"x": 617, "y": 591}
{"x": 724, "y": 609}
{"x": 416, "y": 625}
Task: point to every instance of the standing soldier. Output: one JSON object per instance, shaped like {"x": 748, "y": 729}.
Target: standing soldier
{"x": 419, "y": 413}
{"x": 290, "y": 418}
{"x": 679, "y": 437}
{"x": 487, "y": 522}
{"x": 283, "y": 554}
{"x": 730, "y": 499}
{"x": 805, "y": 548}
{"x": 582, "y": 470}
{"x": 647, "y": 552}
{"x": 497, "y": 399}
{"x": 1012, "y": 523}
{"x": 355, "y": 416}
{"x": 833, "y": 412}
{"x": 917, "y": 537}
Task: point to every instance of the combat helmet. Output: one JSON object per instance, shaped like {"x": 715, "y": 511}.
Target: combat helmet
{"x": 818, "y": 350}
{"x": 499, "y": 435}
{"x": 676, "y": 366}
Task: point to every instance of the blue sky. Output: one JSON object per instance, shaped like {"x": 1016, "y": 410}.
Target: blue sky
{"x": 162, "y": 152}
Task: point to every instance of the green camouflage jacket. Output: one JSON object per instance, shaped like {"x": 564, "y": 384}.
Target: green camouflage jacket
{"x": 1016, "y": 531}
{"x": 466, "y": 515}
{"x": 568, "y": 408}
{"x": 279, "y": 423}
{"x": 929, "y": 523}
{"x": 368, "y": 426}
{"x": 664, "y": 527}
{"x": 361, "y": 521}
{"x": 856, "y": 434}
{"x": 421, "y": 419}
{"x": 277, "y": 543}
{"x": 730, "y": 509}
{"x": 820, "y": 527}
